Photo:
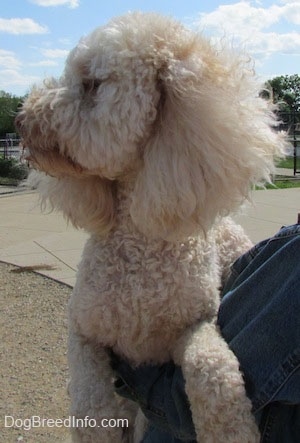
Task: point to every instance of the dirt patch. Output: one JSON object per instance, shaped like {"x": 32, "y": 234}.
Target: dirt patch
{"x": 33, "y": 368}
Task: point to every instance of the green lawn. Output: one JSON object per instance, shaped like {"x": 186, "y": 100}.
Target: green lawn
{"x": 288, "y": 163}
{"x": 285, "y": 184}
{"x": 281, "y": 184}
{"x": 7, "y": 181}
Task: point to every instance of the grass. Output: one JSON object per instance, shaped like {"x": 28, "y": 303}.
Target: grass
{"x": 281, "y": 184}
{"x": 287, "y": 163}
{"x": 8, "y": 181}
{"x": 286, "y": 184}
{"x": 12, "y": 172}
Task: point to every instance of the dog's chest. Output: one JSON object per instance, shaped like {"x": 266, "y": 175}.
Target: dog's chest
{"x": 137, "y": 297}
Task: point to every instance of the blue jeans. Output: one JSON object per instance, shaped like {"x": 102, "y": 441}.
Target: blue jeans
{"x": 259, "y": 317}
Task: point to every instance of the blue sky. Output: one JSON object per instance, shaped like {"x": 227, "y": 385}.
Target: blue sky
{"x": 36, "y": 35}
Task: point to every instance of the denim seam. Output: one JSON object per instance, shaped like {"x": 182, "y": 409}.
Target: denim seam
{"x": 251, "y": 254}
{"x": 268, "y": 426}
{"x": 135, "y": 397}
{"x": 290, "y": 231}
{"x": 277, "y": 381}
{"x": 182, "y": 437}
{"x": 154, "y": 411}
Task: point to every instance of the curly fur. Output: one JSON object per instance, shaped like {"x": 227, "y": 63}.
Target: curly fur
{"x": 150, "y": 139}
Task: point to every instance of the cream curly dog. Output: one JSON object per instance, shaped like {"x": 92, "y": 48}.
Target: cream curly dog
{"x": 149, "y": 140}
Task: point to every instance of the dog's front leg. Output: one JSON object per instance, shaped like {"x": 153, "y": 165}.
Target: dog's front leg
{"x": 221, "y": 410}
{"x": 97, "y": 414}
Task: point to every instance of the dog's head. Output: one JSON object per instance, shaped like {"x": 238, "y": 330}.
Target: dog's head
{"x": 146, "y": 98}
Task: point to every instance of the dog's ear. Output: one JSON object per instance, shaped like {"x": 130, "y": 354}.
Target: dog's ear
{"x": 87, "y": 202}
{"x": 213, "y": 139}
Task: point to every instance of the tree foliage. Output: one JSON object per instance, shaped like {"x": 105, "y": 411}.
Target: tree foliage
{"x": 285, "y": 90}
{"x": 8, "y": 107}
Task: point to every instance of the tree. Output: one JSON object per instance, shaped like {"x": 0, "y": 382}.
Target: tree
{"x": 285, "y": 90}
{"x": 8, "y": 108}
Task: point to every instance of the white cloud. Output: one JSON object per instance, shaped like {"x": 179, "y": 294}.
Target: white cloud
{"x": 8, "y": 59}
{"x": 14, "y": 80}
{"x": 55, "y": 53}
{"x": 70, "y": 3}
{"x": 45, "y": 63}
{"x": 268, "y": 43}
{"x": 250, "y": 24}
{"x": 21, "y": 26}
{"x": 292, "y": 12}
{"x": 239, "y": 18}
{"x": 65, "y": 41}
{"x": 12, "y": 76}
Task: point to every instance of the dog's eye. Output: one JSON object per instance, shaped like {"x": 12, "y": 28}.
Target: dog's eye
{"x": 96, "y": 83}
{"x": 91, "y": 85}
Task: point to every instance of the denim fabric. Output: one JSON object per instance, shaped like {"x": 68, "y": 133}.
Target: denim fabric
{"x": 259, "y": 318}
{"x": 160, "y": 392}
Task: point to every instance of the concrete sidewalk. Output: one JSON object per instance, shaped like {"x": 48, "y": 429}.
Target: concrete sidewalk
{"x": 45, "y": 241}
{"x": 30, "y": 238}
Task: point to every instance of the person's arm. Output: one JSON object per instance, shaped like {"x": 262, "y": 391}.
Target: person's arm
{"x": 160, "y": 393}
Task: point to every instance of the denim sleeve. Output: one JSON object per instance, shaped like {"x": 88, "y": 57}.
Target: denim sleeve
{"x": 160, "y": 392}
